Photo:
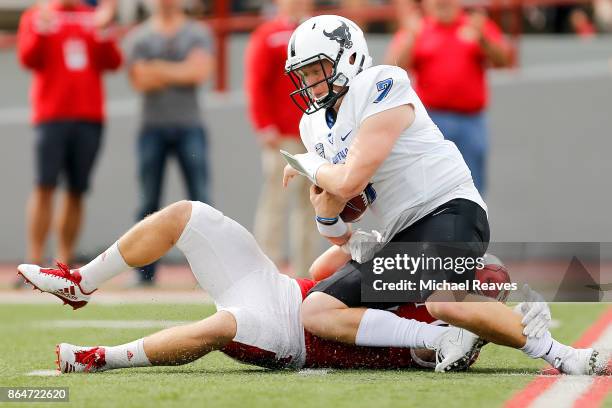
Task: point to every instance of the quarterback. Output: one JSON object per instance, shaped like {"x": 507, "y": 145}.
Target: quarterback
{"x": 258, "y": 309}
{"x": 364, "y": 127}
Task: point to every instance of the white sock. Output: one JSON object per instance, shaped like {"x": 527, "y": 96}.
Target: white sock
{"x": 545, "y": 347}
{"x": 555, "y": 350}
{"x": 126, "y": 355}
{"x": 379, "y": 328}
{"x": 108, "y": 264}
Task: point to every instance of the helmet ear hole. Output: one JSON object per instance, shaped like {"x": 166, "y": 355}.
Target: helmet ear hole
{"x": 353, "y": 58}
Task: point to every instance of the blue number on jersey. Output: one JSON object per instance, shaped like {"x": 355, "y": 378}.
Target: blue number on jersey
{"x": 383, "y": 87}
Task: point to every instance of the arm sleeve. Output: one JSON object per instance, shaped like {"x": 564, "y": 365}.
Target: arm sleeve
{"x": 493, "y": 33}
{"x": 29, "y": 43}
{"x": 258, "y": 78}
{"x": 108, "y": 55}
{"x": 388, "y": 89}
{"x": 202, "y": 38}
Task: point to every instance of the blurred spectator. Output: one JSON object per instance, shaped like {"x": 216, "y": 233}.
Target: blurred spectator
{"x": 169, "y": 56}
{"x": 354, "y": 6}
{"x": 581, "y": 24}
{"x": 447, "y": 51}
{"x": 276, "y": 121}
{"x": 67, "y": 45}
{"x": 129, "y": 11}
{"x": 603, "y": 14}
{"x": 559, "y": 16}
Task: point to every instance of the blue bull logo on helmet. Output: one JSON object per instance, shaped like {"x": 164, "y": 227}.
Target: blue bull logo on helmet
{"x": 341, "y": 35}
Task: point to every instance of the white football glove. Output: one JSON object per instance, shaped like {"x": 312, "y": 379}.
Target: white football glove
{"x": 306, "y": 164}
{"x": 535, "y": 312}
{"x": 363, "y": 245}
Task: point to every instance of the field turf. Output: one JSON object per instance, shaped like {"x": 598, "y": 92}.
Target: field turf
{"x": 28, "y": 336}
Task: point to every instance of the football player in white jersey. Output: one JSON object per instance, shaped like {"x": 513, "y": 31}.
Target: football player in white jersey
{"x": 365, "y": 127}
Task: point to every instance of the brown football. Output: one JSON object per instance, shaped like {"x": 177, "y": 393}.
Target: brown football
{"x": 357, "y": 206}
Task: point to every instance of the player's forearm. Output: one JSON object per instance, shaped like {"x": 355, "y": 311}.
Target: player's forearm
{"x": 30, "y": 48}
{"x": 341, "y": 180}
{"x": 328, "y": 263}
{"x": 108, "y": 55}
{"x": 375, "y": 139}
{"x": 339, "y": 241}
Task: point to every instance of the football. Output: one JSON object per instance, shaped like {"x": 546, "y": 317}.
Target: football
{"x": 494, "y": 271}
{"x": 356, "y": 206}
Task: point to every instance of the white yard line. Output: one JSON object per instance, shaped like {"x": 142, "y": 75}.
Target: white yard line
{"x": 43, "y": 373}
{"x": 315, "y": 371}
{"x": 566, "y": 390}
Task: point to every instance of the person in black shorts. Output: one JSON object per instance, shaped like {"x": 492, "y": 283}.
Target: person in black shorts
{"x": 66, "y": 151}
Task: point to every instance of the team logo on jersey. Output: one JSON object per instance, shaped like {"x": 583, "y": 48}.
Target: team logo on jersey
{"x": 320, "y": 149}
{"x": 341, "y": 35}
{"x": 340, "y": 156}
{"x": 330, "y": 138}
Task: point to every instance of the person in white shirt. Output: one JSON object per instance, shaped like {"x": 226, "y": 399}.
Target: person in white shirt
{"x": 365, "y": 127}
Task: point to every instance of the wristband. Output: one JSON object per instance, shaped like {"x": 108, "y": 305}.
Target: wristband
{"x": 326, "y": 221}
{"x": 337, "y": 229}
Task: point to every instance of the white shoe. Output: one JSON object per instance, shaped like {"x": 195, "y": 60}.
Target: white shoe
{"x": 77, "y": 359}
{"x": 456, "y": 350}
{"x": 583, "y": 362}
{"x": 61, "y": 282}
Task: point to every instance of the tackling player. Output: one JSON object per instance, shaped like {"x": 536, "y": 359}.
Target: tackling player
{"x": 258, "y": 309}
{"x": 364, "y": 126}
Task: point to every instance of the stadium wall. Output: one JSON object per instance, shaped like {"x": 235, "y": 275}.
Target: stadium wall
{"x": 549, "y": 166}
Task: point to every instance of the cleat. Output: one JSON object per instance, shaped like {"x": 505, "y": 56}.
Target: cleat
{"x": 583, "y": 362}
{"x": 77, "y": 359}
{"x": 456, "y": 350}
{"x": 60, "y": 282}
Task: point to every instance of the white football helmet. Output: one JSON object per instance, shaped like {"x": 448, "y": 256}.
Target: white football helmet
{"x": 328, "y": 37}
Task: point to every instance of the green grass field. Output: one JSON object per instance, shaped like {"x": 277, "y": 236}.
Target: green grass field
{"x": 28, "y": 338}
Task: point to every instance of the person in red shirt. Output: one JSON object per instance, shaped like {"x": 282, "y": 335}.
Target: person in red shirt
{"x": 276, "y": 121}
{"x": 447, "y": 52}
{"x": 67, "y": 46}
{"x": 581, "y": 24}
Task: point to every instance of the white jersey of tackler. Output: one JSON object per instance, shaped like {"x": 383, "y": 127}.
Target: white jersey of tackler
{"x": 422, "y": 171}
